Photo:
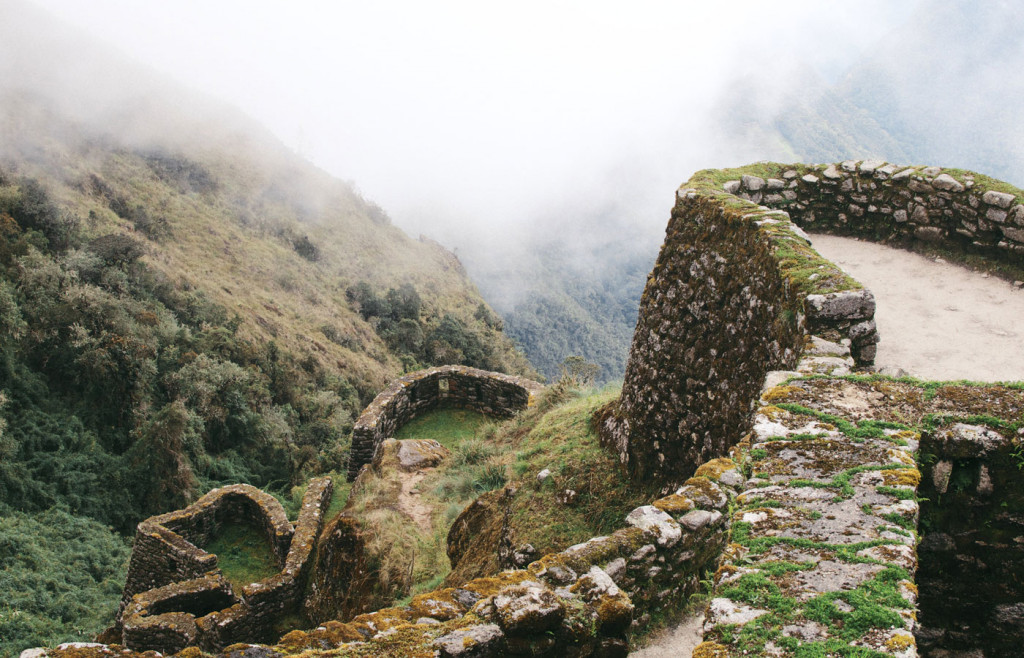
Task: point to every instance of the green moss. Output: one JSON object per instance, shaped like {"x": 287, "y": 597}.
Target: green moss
{"x": 243, "y": 554}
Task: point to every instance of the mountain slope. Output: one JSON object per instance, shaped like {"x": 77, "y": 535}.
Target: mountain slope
{"x": 184, "y": 303}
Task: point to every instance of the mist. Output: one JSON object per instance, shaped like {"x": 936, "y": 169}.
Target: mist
{"x": 543, "y": 142}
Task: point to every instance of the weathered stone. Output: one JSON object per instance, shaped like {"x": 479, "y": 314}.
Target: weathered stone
{"x": 931, "y": 171}
{"x": 849, "y": 165}
{"x": 929, "y": 233}
{"x": 996, "y": 215}
{"x": 528, "y": 609}
{"x": 868, "y": 167}
{"x": 416, "y": 454}
{"x": 832, "y": 173}
{"x": 698, "y": 519}
{"x": 947, "y": 183}
{"x": 776, "y": 184}
{"x": 732, "y": 186}
{"x": 752, "y": 183}
{"x": 652, "y": 519}
{"x": 850, "y": 304}
{"x": 963, "y": 441}
{"x": 904, "y": 175}
{"x": 900, "y": 216}
{"x": 1001, "y": 199}
{"x": 810, "y": 179}
{"x": 940, "y": 475}
{"x": 481, "y": 641}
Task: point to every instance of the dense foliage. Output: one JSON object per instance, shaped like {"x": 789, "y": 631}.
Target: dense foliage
{"x": 61, "y": 578}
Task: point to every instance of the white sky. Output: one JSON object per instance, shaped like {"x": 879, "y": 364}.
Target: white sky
{"x": 478, "y": 111}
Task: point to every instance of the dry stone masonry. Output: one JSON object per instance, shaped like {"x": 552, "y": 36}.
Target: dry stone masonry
{"x": 175, "y": 596}
{"x": 808, "y": 504}
{"x": 492, "y": 393}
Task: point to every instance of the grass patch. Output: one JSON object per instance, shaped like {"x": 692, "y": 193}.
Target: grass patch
{"x": 449, "y": 427}
{"x": 243, "y": 554}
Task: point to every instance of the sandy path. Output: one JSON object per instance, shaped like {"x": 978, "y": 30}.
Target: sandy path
{"x": 675, "y": 642}
{"x": 936, "y": 320}
{"x": 409, "y": 501}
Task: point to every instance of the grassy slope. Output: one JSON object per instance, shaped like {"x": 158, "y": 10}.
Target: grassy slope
{"x": 556, "y": 435}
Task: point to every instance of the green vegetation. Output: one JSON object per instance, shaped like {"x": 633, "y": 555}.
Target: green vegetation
{"x": 556, "y": 434}
{"x": 61, "y": 576}
{"x": 175, "y": 317}
{"x": 243, "y": 554}
{"x": 449, "y": 427}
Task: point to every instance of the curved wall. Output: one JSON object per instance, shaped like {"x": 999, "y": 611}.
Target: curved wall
{"x": 407, "y": 397}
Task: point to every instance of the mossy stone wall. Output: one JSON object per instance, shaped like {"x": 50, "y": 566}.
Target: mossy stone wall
{"x": 716, "y": 315}
{"x": 492, "y": 393}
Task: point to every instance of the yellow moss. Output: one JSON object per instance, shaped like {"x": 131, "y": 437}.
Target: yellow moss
{"x": 896, "y": 643}
{"x": 190, "y": 652}
{"x": 902, "y": 477}
{"x": 780, "y": 393}
{"x": 710, "y": 650}
{"x": 490, "y": 586}
{"x": 771, "y": 412}
{"x": 674, "y": 504}
{"x": 713, "y": 469}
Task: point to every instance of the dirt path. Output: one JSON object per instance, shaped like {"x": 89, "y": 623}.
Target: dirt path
{"x": 936, "y": 320}
{"x": 410, "y": 503}
{"x": 675, "y": 642}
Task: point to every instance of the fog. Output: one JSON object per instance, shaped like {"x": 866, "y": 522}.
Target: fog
{"x": 542, "y": 142}
{"x": 465, "y": 120}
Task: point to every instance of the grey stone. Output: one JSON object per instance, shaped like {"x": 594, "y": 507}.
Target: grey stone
{"x": 616, "y": 569}
{"x": 1001, "y": 199}
{"x": 985, "y": 486}
{"x": 800, "y": 232}
{"x": 528, "y": 609}
{"x": 885, "y": 172}
{"x": 929, "y": 233}
{"x": 996, "y": 215}
{"x": 947, "y": 183}
{"x": 427, "y": 620}
{"x": 789, "y": 174}
{"x": 904, "y": 175}
{"x": 831, "y": 172}
{"x": 776, "y": 377}
{"x": 847, "y": 304}
{"x": 466, "y": 598}
{"x": 931, "y": 171}
{"x": 1015, "y": 234}
{"x": 414, "y": 454}
{"x": 863, "y": 332}
{"x": 38, "y": 652}
{"x": 651, "y": 519}
{"x": 725, "y": 611}
{"x": 732, "y": 186}
{"x": 900, "y": 216}
{"x": 821, "y": 347}
{"x": 810, "y": 179}
{"x": 752, "y": 183}
{"x": 963, "y": 441}
{"x": 940, "y": 475}
{"x": 776, "y": 184}
{"x": 1017, "y": 215}
{"x": 849, "y": 165}
{"x": 696, "y": 519}
{"x": 473, "y": 641}
{"x": 686, "y": 193}
{"x": 543, "y": 476}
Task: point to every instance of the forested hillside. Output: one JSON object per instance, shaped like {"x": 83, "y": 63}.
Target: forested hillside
{"x": 183, "y": 304}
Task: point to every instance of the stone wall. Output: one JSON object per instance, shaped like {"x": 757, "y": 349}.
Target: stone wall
{"x": 882, "y": 201}
{"x": 971, "y": 549}
{"x": 166, "y": 606}
{"x": 409, "y": 396}
{"x": 716, "y": 315}
{"x": 581, "y": 601}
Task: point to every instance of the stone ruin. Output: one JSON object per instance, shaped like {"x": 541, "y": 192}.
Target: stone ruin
{"x": 175, "y": 596}
{"x": 412, "y": 395}
{"x": 809, "y": 500}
